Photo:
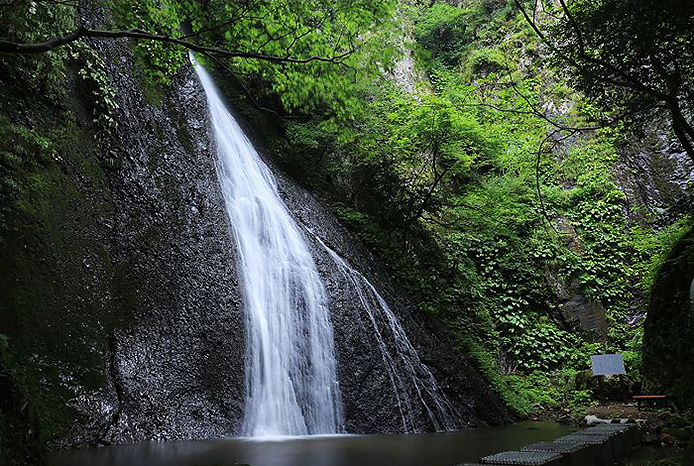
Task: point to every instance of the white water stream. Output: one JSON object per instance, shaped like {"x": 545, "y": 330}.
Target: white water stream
{"x": 291, "y": 386}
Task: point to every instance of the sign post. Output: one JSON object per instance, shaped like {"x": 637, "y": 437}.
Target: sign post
{"x": 607, "y": 365}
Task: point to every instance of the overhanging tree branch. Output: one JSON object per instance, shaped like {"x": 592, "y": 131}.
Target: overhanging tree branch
{"x": 626, "y": 80}
{"x": 663, "y": 89}
{"x": 138, "y": 34}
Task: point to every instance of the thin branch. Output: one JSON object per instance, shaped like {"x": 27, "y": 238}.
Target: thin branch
{"x": 244, "y": 8}
{"x": 529, "y": 20}
{"x": 82, "y": 32}
{"x": 271, "y": 38}
{"x": 541, "y": 114}
{"x": 574, "y": 25}
{"x": 17, "y": 48}
{"x": 627, "y": 80}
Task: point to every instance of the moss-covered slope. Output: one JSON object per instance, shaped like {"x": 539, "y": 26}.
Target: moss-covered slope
{"x": 668, "y": 340}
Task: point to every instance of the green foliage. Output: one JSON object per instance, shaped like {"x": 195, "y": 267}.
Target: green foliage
{"x": 612, "y": 257}
{"x": 160, "y": 60}
{"x": 444, "y": 183}
{"x": 579, "y": 399}
{"x": 553, "y": 390}
{"x": 93, "y": 72}
{"x": 443, "y": 29}
{"x": 355, "y": 37}
{"x": 657, "y": 247}
{"x": 33, "y": 21}
{"x": 519, "y": 401}
{"x": 650, "y": 40}
{"x": 539, "y": 389}
{"x": 21, "y": 152}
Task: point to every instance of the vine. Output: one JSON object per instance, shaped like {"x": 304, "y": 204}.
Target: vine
{"x": 93, "y": 72}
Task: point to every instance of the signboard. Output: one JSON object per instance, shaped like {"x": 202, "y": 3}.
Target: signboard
{"x": 607, "y": 364}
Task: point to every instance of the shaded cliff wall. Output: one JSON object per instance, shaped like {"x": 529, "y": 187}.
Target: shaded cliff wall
{"x": 669, "y": 328}
{"x": 178, "y": 372}
{"x": 119, "y": 287}
{"x": 657, "y": 177}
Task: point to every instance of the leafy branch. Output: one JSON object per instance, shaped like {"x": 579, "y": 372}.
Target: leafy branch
{"x": 625, "y": 58}
{"x": 138, "y": 34}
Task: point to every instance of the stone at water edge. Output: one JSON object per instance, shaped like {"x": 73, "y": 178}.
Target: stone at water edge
{"x": 592, "y": 420}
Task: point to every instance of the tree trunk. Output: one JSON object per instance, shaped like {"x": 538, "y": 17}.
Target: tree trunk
{"x": 683, "y": 130}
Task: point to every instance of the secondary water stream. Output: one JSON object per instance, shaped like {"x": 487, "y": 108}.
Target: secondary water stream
{"x": 405, "y": 369}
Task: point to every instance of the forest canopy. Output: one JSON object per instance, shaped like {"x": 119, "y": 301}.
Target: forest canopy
{"x": 320, "y": 44}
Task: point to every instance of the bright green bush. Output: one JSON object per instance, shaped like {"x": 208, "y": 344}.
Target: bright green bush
{"x": 443, "y": 29}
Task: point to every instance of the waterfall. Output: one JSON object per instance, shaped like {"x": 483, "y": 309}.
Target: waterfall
{"x": 291, "y": 382}
{"x": 402, "y": 363}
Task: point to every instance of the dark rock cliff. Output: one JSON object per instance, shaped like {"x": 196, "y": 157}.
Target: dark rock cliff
{"x": 121, "y": 303}
{"x": 119, "y": 289}
{"x": 657, "y": 177}
{"x": 369, "y": 400}
{"x": 177, "y": 371}
{"x": 669, "y": 328}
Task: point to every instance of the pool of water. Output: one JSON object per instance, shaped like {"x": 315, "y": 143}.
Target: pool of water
{"x": 438, "y": 449}
{"x": 334, "y": 450}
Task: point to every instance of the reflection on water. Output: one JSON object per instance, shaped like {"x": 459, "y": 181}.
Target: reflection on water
{"x": 438, "y": 449}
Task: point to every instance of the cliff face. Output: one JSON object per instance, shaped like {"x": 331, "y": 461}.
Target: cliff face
{"x": 669, "y": 326}
{"x": 120, "y": 293}
{"x": 176, "y": 370}
{"x": 656, "y": 175}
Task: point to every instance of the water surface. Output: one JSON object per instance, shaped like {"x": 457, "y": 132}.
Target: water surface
{"x": 439, "y": 449}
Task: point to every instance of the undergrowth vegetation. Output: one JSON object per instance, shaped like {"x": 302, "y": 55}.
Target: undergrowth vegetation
{"x": 488, "y": 206}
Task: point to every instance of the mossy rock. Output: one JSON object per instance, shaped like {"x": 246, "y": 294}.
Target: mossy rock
{"x": 669, "y": 328}
{"x": 678, "y": 433}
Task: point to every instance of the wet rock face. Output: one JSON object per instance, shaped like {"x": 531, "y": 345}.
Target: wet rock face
{"x": 586, "y": 314}
{"x": 654, "y": 172}
{"x": 177, "y": 370}
{"x": 370, "y": 404}
{"x": 578, "y": 311}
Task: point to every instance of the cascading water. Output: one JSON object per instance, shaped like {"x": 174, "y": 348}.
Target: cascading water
{"x": 291, "y": 386}
{"x": 402, "y": 363}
